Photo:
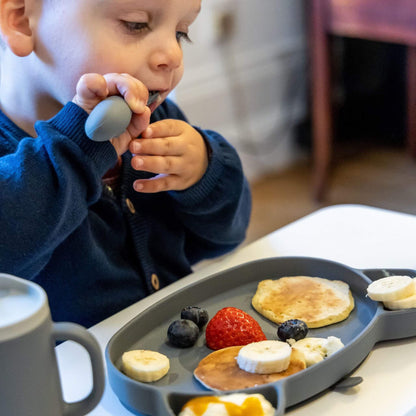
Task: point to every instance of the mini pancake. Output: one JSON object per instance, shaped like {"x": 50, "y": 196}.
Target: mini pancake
{"x": 220, "y": 371}
{"x": 316, "y": 301}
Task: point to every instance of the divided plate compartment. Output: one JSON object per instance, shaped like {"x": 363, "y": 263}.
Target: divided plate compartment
{"x": 367, "y": 324}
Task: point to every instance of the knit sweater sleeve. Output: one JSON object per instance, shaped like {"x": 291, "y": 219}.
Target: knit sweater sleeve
{"x": 216, "y": 210}
{"x": 47, "y": 183}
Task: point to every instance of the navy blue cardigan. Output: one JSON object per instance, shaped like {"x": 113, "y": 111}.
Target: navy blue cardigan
{"x": 96, "y": 252}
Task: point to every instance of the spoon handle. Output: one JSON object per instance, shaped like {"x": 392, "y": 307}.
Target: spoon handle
{"x": 110, "y": 118}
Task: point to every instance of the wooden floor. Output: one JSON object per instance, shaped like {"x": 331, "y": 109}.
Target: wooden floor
{"x": 383, "y": 176}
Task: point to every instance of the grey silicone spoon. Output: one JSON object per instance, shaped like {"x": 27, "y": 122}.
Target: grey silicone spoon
{"x": 110, "y": 118}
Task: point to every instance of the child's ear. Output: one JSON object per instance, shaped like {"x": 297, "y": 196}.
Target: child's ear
{"x": 15, "y": 26}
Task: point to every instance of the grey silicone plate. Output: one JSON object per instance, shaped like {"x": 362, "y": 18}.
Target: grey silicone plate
{"x": 368, "y": 324}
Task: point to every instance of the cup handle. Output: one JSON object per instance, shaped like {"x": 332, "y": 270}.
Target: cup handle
{"x": 65, "y": 331}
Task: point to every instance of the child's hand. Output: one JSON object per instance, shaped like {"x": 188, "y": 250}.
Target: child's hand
{"x": 93, "y": 88}
{"x": 175, "y": 151}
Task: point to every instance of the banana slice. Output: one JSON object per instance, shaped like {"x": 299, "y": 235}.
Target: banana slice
{"x": 313, "y": 349}
{"x": 145, "y": 365}
{"x": 316, "y": 349}
{"x": 333, "y": 344}
{"x": 391, "y": 288}
{"x": 404, "y": 303}
{"x": 264, "y": 357}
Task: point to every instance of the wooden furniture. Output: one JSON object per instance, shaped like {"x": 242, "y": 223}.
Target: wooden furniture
{"x": 392, "y": 21}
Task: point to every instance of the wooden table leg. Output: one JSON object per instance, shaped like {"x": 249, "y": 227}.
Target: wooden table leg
{"x": 321, "y": 99}
{"x": 411, "y": 100}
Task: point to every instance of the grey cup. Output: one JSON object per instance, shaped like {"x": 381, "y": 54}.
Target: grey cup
{"x": 29, "y": 381}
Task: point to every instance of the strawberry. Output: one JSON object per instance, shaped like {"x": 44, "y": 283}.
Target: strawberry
{"x": 230, "y": 327}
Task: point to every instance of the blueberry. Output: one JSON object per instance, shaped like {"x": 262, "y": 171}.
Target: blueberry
{"x": 183, "y": 333}
{"x": 292, "y": 329}
{"x": 195, "y": 314}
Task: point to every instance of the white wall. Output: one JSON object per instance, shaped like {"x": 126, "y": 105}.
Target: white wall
{"x": 252, "y": 88}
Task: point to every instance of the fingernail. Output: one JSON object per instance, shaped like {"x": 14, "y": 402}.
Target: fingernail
{"x": 148, "y": 132}
{"x": 138, "y": 186}
{"x": 138, "y": 162}
{"x": 136, "y": 147}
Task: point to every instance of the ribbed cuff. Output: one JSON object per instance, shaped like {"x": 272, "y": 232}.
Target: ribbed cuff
{"x": 70, "y": 122}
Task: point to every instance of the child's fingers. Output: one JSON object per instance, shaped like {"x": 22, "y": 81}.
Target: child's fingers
{"x": 173, "y": 148}
{"x": 90, "y": 90}
{"x": 158, "y": 164}
{"x": 138, "y": 123}
{"x": 134, "y": 91}
{"x": 159, "y": 183}
{"x": 168, "y": 146}
{"x": 162, "y": 138}
{"x": 165, "y": 128}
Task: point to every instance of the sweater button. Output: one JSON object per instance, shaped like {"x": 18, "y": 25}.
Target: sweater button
{"x": 130, "y": 206}
{"x": 155, "y": 281}
{"x": 109, "y": 190}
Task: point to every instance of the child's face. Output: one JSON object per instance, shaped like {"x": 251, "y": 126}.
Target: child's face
{"x": 138, "y": 37}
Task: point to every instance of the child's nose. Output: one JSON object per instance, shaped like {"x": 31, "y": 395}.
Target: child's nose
{"x": 167, "y": 55}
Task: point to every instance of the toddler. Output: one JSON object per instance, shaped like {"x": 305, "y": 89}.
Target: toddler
{"x": 100, "y": 225}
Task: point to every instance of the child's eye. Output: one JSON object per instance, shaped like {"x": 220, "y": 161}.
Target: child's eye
{"x": 135, "y": 26}
{"x": 180, "y": 36}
